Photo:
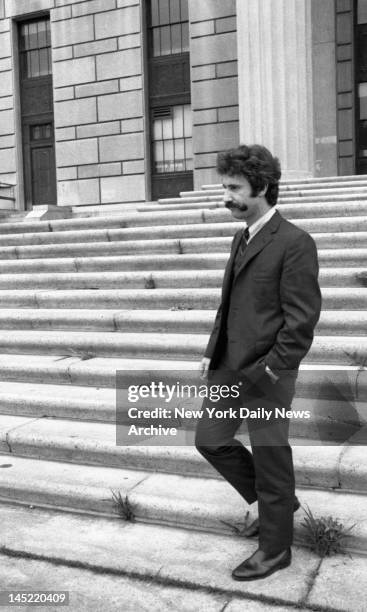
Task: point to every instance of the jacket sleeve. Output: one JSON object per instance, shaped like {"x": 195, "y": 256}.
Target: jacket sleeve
{"x": 217, "y": 322}
{"x": 214, "y": 334}
{"x": 301, "y": 304}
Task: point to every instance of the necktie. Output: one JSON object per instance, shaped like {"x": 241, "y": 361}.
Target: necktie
{"x": 241, "y": 249}
{"x": 244, "y": 240}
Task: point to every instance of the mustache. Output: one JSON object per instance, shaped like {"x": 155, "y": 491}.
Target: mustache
{"x": 231, "y": 204}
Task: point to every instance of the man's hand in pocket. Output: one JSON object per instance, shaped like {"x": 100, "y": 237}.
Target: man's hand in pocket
{"x": 204, "y": 368}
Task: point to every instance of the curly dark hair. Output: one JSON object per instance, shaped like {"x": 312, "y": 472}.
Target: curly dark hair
{"x": 257, "y": 165}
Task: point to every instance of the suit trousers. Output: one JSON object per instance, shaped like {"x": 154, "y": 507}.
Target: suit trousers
{"x": 266, "y": 474}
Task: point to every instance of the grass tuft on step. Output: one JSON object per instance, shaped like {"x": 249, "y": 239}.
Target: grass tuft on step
{"x": 325, "y": 535}
{"x": 238, "y": 528}
{"x": 123, "y": 506}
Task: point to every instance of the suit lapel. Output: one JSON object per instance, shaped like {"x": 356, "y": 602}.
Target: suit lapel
{"x": 260, "y": 240}
{"x": 227, "y": 280}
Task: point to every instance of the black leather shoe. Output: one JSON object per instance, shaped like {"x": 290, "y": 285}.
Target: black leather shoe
{"x": 253, "y": 530}
{"x": 261, "y": 565}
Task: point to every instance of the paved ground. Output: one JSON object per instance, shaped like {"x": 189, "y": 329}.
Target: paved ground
{"x": 107, "y": 564}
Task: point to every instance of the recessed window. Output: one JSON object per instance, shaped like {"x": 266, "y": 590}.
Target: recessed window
{"x": 41, "y": 132}
{"x": 172, "y": 139}
{"x": 35, "y": 48}
{"x": 362, "y": 11}
{"x": 170, "y": 27}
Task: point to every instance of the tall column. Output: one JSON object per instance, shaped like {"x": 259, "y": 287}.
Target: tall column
{"x": 275, "y": 80}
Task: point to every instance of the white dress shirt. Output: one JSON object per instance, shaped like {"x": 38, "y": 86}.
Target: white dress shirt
{"x": 259, "y": 224}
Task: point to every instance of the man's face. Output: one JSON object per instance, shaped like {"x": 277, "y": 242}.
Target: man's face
{"x": 238, "y": 199}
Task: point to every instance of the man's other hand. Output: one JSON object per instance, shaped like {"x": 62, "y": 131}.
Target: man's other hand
{"x": 204, "y": 368}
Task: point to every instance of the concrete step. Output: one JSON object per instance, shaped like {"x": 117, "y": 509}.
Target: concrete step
{"x": 298, "y": 199}
{"x": 312, "y": 181}
{"x": 154, "y": 214}
{"x": 214, "y": 238}
{"x": 159, "y": 321}
{"x": 28, "y": 399}
{"x": 347, "y": 257}
{"x": 157, "y": 279}
{"x": 129, "y": 247}
{"x": 199, "y": 229}
{"x": 194, "y": 204}
{"x": 75, "y": 370}
{"x": 102, "y": 210}
{"x": 326, "y": 180}
{"x": 288, "y": 207}
{"x": 288, "y": 210}
{"x": 317, "y": 464}
{"x": 63, "y": 233}
{"x": 285, "y": 189}
{"x": 332, "y": 192}
{"x": 324, "y": 350}
{"x": 331, "y": 420}
{"x": 315, "y": 380}
{"x": 11, "y": 216}
{"x": 347, "y": 323}
{"x": 334, "y": 298}
{"x": 139, "y": 280}
{"x": 110, "y": 344}
{"x": 74, "y": 402}
{"x": 129, "y": 219}
{"x": 128, "y": 262}
{"x": 184, "y": 570}
{"x": 178, "y": 501}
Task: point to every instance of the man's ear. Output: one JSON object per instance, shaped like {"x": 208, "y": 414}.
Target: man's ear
{"x": 264, "y": 190}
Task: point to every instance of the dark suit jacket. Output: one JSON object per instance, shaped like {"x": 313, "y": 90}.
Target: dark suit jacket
{"x": 270, "y": 307}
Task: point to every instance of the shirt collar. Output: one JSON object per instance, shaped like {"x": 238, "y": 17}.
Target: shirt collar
{"x": 259, "y": 224}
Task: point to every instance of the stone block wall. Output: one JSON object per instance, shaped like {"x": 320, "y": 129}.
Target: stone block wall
{"x": 98, "y": 101}
{"x": 214, "y": 94}
{"x": 98, "y": 98}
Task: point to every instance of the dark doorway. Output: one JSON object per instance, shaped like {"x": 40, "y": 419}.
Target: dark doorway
{"x": 37, "y": 112}
{"x": 170, "y": 97}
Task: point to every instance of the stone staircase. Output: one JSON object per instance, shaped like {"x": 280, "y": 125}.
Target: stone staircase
{"x": 81, "y": 298}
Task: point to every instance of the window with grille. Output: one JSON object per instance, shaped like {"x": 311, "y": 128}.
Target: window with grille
{"x": 35, "y": 48}
{"x": 41, "y": 132}
{"x": 361, "y": 11}
{"x": 169, "y": 22}
{"x": 172, "y": 139}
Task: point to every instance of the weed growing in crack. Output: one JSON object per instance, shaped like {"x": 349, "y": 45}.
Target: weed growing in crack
{"x": 325, "y": 535}
{"x": 149, "y": 283}
{"x": 83, "y": 355}
{"x": 362, "y": 277}
{"x": 238, "y": 528}
{"x": 123, "y": 506}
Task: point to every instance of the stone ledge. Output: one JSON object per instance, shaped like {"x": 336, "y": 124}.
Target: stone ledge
{"x": 48, "y": 211}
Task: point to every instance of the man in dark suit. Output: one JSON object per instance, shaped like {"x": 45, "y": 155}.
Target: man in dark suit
{"x": 264, "y": 327}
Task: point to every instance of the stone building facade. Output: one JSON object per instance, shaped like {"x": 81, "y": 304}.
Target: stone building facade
{"x": 113, "y": 101}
